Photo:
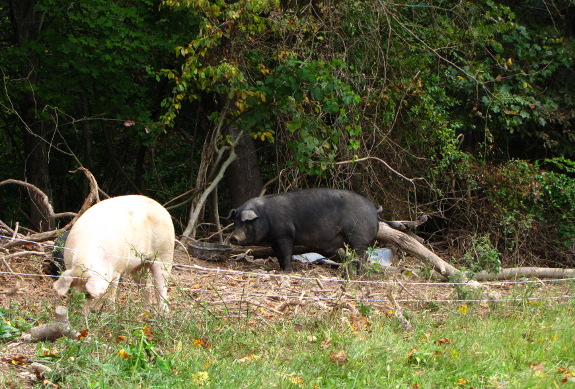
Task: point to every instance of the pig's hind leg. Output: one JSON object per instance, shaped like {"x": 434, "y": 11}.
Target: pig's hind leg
{"x": 359, "y": 246}
{"x": 160, "y": 273}
{"x": 283, "y": 249}
{"x": 144, "y": 281}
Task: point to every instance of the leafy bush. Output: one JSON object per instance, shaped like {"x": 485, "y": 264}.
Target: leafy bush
{"x": 482, "y": 256}
{"x": 11, "y": 328}
{"x": 520, "y": 213}
{"x": 530, "y": 201}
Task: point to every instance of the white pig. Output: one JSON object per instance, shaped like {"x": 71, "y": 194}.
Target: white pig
{"x": 121, "y": 235}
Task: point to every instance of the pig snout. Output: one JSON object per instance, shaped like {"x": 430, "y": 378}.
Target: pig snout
{"x": 238, "y": 238}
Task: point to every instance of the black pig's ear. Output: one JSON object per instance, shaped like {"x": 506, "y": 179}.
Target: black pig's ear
{"x": 249, "y": 214}
{"x": 231, "y": 215}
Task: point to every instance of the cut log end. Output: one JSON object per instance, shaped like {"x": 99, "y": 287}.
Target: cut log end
{"x": 53, "y": 330}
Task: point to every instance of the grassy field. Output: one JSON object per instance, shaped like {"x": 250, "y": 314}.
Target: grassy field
{"x": 506, "y": 345}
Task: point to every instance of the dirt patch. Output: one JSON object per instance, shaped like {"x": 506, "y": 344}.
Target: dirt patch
{"x": 260, "y": 283}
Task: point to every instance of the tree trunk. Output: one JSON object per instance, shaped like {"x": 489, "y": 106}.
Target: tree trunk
{"x": 243, "y": 178}
{"x": 139, "y": 168}
{"x": 36, "y": 169}
{"x": 113, "y": 156}
{"x": 38, "y": 174}
{"x": 22, "y": 19}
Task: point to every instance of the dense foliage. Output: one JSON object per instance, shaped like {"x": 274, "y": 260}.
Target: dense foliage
{"x": 463, "y": 111}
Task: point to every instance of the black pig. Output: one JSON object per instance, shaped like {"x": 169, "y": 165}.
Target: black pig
{"x": 55, "y": 265}
{"x": 322, "y": 219}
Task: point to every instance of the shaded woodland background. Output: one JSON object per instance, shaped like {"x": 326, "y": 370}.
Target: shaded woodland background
{"x": 462, "y": 111}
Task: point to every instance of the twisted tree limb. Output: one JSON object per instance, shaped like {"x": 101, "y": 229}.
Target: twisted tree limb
{"x": 93, "y": 196}
{"x": 42, "y": 236}
{"x": 44, "y": 202}
{"x": 189, "y": 231}
{"x": 194, "y": 218}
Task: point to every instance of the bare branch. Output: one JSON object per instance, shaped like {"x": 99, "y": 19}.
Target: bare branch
{"x": 196, "y": 212}
{"x": 44, "y": 201}
{"x": 40, "y": 237}
{"x": 411, "y": 180}
{"x": 93, "y": 196}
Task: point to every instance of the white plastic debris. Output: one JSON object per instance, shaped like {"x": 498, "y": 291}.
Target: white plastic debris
{"x": 382, "y": 256}
{"x": 308, "y": 257}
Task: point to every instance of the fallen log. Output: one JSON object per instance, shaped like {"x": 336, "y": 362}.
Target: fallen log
{"x": 407, "y": 226}
{"x": 387, "y": 234}
{"x": 38, "y": 237}
{"x": 53, "y": 330}
{"x": 526, "y": 272}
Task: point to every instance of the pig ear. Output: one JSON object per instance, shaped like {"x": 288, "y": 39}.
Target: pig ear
{"x": 249, "y": 214}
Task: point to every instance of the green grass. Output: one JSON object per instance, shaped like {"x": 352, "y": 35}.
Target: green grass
{"x": 512, "y": 345}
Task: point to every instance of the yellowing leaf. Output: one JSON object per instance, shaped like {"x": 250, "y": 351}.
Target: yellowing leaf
{"x": 147, "y": 330}
{"x": 16, "y": 361}
{"x": 339, "y": 358}
{"x": 49, "y": 352}
{"x": 463, "y": 309}
{"x": 201, "y": 343}
{"x": 248, "y": 358}
{"x": 461, "y": 382}
{"x": 443, "y": 341}
{"x": 268, "y": 134}
{"x": 263, "y": 69}
{"x": 200, "y": 378}
{"x": 123, "y": 354}
{"x": 554, "y": 337}
{"x": 294, "y": 379}
{"x": 536, "y": 366}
